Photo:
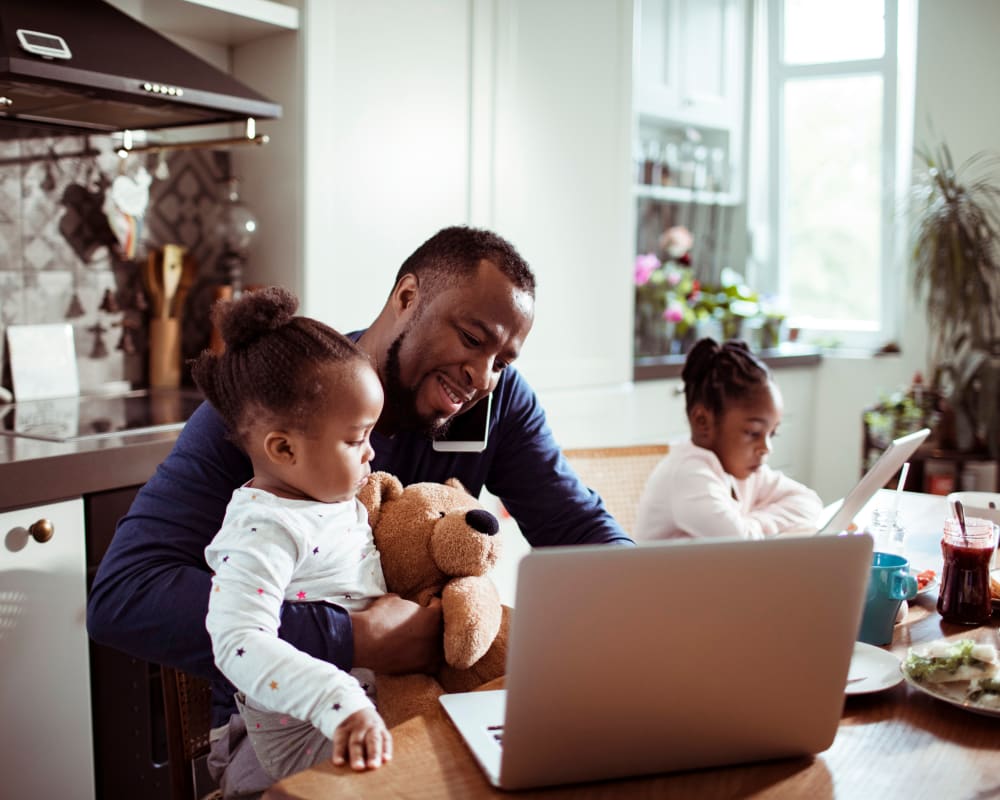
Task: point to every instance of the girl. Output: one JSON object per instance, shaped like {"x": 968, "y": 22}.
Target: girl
{"x": 301, "y": 400}
{"x": 717, "y": 483}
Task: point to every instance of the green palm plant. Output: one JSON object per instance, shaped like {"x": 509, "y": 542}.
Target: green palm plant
{"x": 956, "y": 268}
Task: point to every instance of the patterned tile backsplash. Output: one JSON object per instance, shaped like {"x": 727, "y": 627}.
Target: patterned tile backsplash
{"x": 68, "y": 253}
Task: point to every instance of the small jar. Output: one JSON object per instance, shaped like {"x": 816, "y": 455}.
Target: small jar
{"x": 964, "y": 597}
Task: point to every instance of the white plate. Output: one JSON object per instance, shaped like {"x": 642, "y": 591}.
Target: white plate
{"x": 877, "y": 669}
{"x": 930, "y": 584}
{"x": 953, "y": 693}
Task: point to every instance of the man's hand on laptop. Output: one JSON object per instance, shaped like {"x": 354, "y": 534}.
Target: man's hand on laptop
{"x": 394, "y": 635}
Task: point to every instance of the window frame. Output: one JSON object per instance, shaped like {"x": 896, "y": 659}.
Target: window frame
{"x": 767, "y": 201}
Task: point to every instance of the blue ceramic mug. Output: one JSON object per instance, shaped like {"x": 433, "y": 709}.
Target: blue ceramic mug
{"x": 889, "y": 584}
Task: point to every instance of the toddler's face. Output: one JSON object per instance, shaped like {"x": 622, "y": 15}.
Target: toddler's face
{"x": 334, "y": 459}
{"x": 742, "y": 436}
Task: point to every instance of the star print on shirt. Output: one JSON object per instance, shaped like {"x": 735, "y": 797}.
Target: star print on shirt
{"x": 260, "y": 591}
{"x": 273, "y": 685}
{"x": 315, "y": 551}
{"x": 301, "y": 595}
{"x": 225, "y": 559}
{"x": 336, "y": 706}
{"x": 240, "y": 651}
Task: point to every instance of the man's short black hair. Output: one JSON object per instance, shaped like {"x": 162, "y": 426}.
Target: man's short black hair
{"x": 459, "y": 250}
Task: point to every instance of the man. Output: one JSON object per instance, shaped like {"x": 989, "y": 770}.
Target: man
{"x": 457, "y": 317}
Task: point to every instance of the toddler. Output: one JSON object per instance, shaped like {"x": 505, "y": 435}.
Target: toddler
{"x": 301, "y": 400}
{"x": 717, "y": 483}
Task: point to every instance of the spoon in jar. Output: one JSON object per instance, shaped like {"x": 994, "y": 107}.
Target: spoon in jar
{"x": 960, "y": 513}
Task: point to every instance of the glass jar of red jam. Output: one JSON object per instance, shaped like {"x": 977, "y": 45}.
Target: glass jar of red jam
{"x": 964, "y": 597}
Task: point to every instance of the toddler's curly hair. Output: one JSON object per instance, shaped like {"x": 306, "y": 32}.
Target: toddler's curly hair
{"x": 275, "y": 365}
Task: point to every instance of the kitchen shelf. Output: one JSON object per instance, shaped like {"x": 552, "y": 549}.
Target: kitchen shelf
{"x": 227, "y": 22}
{"x": 678, "y": 194}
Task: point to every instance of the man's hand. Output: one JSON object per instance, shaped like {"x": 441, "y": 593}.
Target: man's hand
{"x": 394, "y": 635}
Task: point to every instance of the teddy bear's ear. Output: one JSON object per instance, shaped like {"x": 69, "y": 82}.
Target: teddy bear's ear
{"x": 455, "y": 483}
{"x": 381, "y": 486}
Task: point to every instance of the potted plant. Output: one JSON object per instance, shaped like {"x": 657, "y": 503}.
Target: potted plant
{"x": 956, "y": 264}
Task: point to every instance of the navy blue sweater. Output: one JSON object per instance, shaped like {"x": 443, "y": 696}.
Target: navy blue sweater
{"x": 150, "y": 594}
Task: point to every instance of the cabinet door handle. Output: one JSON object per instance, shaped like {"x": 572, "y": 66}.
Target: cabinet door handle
{"x": 42, "y": 531}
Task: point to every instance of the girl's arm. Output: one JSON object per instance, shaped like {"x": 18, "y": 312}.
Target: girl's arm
{"x": 783, "y": 505}
{"x": 252, "y": 571}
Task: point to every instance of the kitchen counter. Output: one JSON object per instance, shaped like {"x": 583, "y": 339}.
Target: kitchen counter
{"x": 35, "y": 471}
{"x": 785, "y": 355}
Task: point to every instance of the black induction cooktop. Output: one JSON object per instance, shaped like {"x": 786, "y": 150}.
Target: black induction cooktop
{"x": 73, "y": 419}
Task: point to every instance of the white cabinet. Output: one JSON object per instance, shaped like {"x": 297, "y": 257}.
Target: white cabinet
{"x": 692, "y": 61}
{"x": 793, "y": 445}
{"x": 512, "y": 115}
{"x": 45, "y": 741}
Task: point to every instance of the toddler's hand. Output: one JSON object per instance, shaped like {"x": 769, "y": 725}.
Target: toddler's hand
{"x": 363, "y": 740}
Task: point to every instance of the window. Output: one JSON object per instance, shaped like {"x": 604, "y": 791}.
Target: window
{"x": 831, "y": 145}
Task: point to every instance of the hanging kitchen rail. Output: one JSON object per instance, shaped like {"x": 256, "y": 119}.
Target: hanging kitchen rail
{"x": 124, "y": 150}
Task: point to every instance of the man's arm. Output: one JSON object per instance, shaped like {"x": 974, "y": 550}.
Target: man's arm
{"x": 538, "y": 487}
{"x": 150, "y": 594}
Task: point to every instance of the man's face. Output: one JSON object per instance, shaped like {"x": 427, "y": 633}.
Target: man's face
{"x": 452, "y": 347}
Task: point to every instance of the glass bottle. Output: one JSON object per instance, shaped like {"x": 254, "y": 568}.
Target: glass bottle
{"x": 887, "y": 531}
{"x": 964, "y": 597}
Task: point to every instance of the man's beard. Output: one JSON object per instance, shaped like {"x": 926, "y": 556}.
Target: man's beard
{"x": 402, "y": 400}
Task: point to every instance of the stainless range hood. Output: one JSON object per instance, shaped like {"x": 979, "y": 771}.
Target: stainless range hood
{"x": 85, "y": 66}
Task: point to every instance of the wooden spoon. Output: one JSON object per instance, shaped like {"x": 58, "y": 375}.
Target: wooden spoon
{"x": 172, "y": 268}
{"x": 154, "y": 283}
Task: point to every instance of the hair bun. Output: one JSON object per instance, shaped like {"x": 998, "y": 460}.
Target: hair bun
{"x": 253, "y": 314}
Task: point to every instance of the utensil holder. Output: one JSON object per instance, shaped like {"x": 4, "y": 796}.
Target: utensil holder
{"x": 165, "y": 352}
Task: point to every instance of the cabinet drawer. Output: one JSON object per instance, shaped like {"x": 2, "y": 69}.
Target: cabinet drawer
{"x": 45, "y": 694}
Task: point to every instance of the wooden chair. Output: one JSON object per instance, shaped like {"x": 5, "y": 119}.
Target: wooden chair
{"x": 617, "y": 474}
{"x": 187, "y": 702}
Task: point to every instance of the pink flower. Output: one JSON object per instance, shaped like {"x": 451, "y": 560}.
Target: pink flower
{"x": 676, "y": 241}
{"x": 673, "y": 277}
{"x": 645, "y": 265}
{"x": 673, "y": 313}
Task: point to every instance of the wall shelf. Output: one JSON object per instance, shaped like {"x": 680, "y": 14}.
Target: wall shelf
{"x": 226, "y": 22}
{"x": 678, "y": 194}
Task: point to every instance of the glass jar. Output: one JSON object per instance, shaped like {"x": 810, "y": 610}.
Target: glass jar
{"x": 964, "y": 597}
{"x": 887, "y": 531}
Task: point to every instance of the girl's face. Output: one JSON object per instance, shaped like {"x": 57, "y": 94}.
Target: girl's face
{"x": 741, "y": 437}
{"x": 330, "y": 462}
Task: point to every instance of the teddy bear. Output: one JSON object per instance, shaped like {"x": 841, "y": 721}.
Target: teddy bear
{"x": 437, "y": 540}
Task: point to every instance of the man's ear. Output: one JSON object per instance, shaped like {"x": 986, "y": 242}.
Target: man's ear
{"x": 279, "y": 448}
{"x": 405, "y": 293}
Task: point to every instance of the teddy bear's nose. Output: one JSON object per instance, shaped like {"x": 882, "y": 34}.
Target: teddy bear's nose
{"x": 483, "y": 521}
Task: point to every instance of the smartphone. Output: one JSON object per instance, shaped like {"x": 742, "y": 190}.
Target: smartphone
{"x": 467, "y": 432}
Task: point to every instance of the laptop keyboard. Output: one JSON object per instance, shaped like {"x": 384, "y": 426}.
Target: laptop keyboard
{"x": 496, "y": 731}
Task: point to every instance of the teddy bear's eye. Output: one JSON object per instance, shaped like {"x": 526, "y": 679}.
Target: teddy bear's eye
{"x": 441, "y": 514}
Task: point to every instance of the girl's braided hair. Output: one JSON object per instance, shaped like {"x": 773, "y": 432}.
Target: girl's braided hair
{"x": 275, "y": 364}
{"x": 715, "y": 374}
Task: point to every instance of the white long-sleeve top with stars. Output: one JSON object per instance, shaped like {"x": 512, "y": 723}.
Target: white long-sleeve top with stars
{"x": 272, "y": 550}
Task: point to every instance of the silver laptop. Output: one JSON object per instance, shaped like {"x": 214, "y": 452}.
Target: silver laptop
{"x": 840, "y": 516}
{"x": 669, "y": 656}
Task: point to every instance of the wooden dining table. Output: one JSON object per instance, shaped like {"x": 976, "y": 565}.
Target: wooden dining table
{"x": 895, "y": 743}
